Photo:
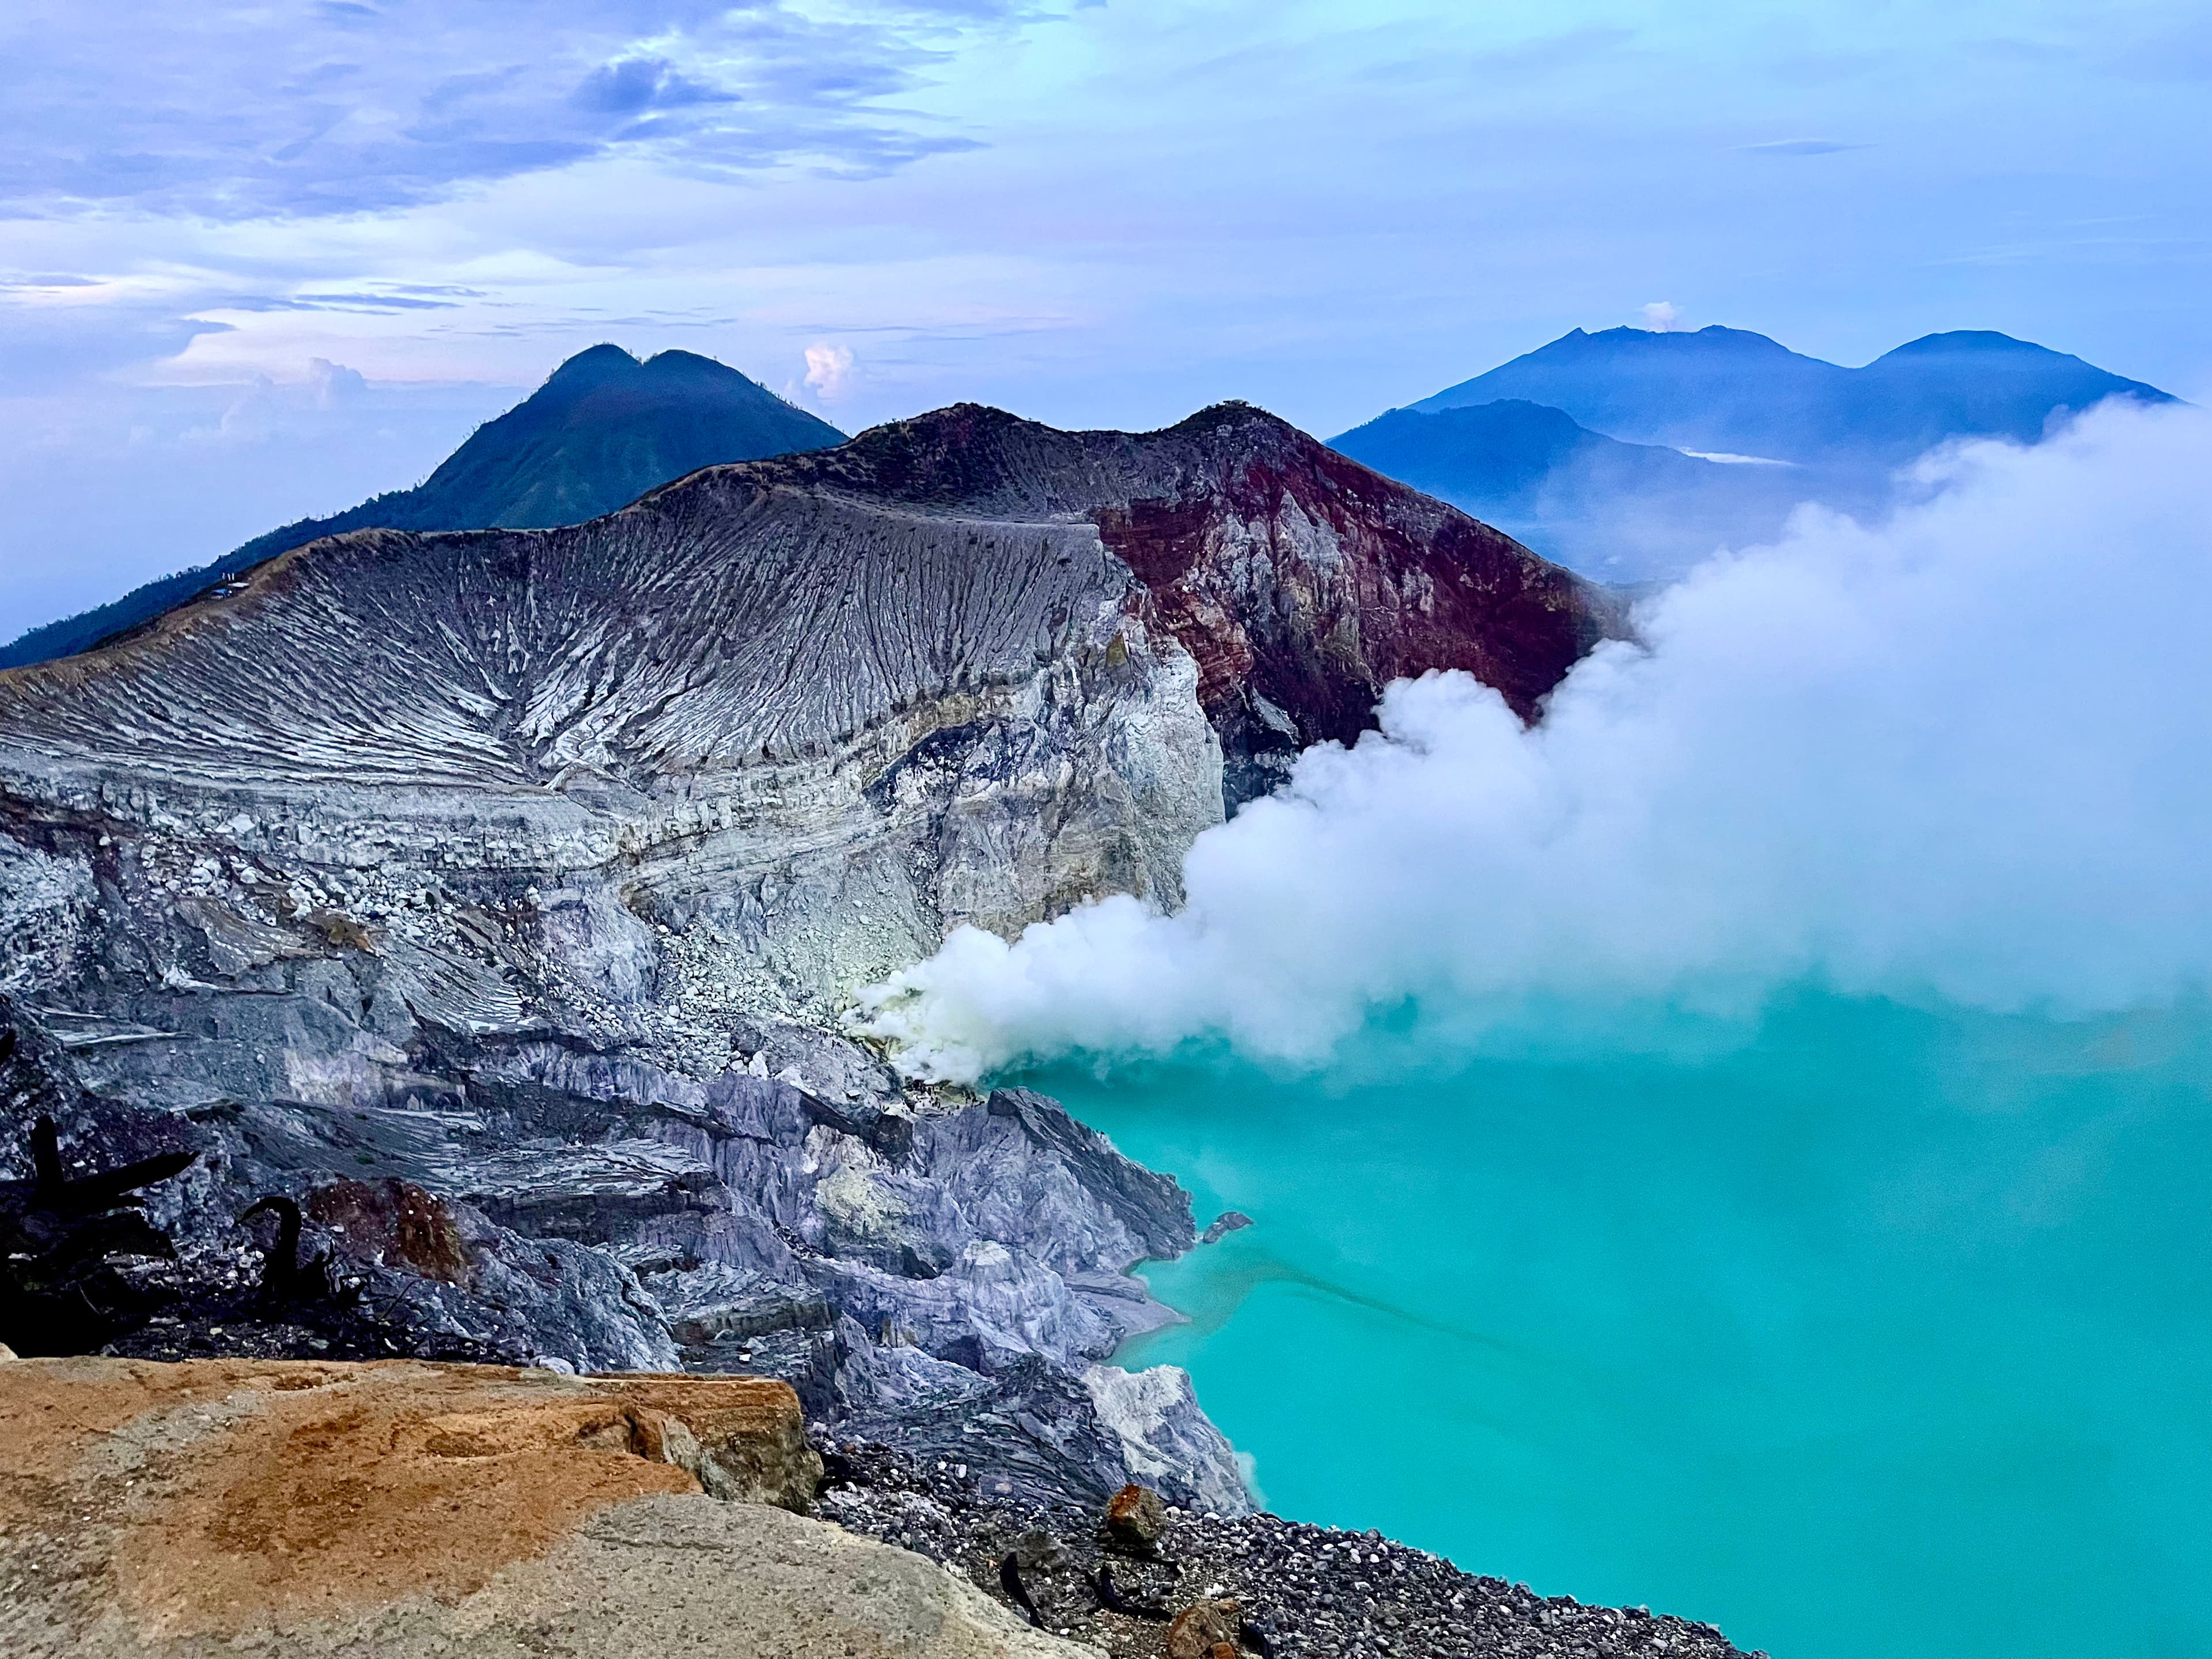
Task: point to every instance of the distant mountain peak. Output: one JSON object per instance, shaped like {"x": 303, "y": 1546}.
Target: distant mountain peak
{"x": 1969, "y": 339}
{"x": 607, "y": 367}
{"x": 1987, "y": 349}
{"x": 604, "y": 429}
{"x": 1622, "y": 453}
{"x": 593, "y": 363}
{"x": 1714, "y": 337}
{"x": 1733, "y": 391}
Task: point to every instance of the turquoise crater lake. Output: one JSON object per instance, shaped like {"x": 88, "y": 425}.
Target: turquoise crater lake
{"x": 1875, "y": 1335}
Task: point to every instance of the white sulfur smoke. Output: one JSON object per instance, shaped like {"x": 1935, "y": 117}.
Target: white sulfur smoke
{"x": 1965, "y": 754}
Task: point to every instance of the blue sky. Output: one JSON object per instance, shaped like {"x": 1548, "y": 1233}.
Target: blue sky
{"x": 258, "y": 261}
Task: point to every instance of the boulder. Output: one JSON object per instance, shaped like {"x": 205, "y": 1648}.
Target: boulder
{"x": 407, "y": 1510}
{"x": 1228, "y": 1222}
{"x": 1135, "y": 1517}
{"x": 1204, "y": 1630}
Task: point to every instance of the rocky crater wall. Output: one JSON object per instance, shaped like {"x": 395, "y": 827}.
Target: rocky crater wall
{"x": 492, "y": 899}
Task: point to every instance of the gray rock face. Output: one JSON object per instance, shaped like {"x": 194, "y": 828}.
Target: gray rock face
{"x": 498, "y": 896}
{"x": 948, "y": 1278}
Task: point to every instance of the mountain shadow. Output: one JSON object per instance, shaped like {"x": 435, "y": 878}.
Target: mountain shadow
{"x": 1621, "y": 512}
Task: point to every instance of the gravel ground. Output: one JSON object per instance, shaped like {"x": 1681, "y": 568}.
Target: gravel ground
{"x": 1304, "y": 1590}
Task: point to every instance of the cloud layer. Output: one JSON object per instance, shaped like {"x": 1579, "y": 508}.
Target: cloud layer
{"x": 1959, "y": 756}
{"x": 1094, "y": 214}
{"x": 352, "y": 105}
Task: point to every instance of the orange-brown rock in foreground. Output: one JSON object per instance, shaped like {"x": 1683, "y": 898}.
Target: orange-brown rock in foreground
{"x": 1135, "y": 1517}
{"x": 403, "y": 1509}
{"x": 1204, "y": 1630}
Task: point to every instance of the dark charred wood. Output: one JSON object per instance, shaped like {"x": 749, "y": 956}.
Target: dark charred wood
{"x": 285, "y": 1277}
{"x": 1009, "y": 1580}
{"x": 46, "y": 1158}
{"x": 1111, "y": 1598}
{"x": 65, "y": 1244}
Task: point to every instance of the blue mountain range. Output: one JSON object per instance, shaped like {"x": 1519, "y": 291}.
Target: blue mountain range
{"x": 1630, "y": 455}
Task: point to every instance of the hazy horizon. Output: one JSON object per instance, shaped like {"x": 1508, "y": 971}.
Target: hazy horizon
{"x": 268, "y": 263}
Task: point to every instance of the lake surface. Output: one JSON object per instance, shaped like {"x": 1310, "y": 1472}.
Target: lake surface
{"x": 1874, "y": 1334}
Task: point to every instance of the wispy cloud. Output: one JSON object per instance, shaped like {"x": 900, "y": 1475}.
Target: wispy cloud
{"x": 368, "y": 302}
{"x": 13, "y": 282}
{"x": 341, "y": 108}
{"x": 1802, "y": 147}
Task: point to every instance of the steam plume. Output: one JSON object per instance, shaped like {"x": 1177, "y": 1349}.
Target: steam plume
{"x": 1965, "y": 754}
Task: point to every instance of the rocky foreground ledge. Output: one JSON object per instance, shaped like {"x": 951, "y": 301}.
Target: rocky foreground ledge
{"x": 403, "y": 1509}
{"x": 1143, "y": 1577}
{"x": 406, "y": 1511}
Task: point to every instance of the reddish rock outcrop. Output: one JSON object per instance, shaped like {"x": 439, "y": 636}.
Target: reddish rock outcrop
{"x": 395, "y": 1222}
{"x": 1135, "y": 1517}
{"x": 1301, "y": 582}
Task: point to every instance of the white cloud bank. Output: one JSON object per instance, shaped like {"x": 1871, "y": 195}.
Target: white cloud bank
{"x": 1966, "y": 754}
